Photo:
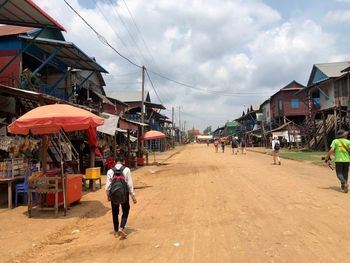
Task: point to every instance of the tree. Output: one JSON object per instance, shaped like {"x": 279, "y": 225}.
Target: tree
{"x": 207, "y": 130}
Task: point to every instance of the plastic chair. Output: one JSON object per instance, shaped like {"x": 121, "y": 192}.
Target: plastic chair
{"x": 23, "y": 188}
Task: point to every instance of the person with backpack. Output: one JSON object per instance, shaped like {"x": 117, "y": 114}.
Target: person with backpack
{"x": 276, "y": 146}
{"x": 340, "y": 148}
{"x": 119, "y": 186}
{"x": 234, "y": 145}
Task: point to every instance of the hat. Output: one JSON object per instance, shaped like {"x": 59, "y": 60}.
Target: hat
{"x": 342, "y": 133}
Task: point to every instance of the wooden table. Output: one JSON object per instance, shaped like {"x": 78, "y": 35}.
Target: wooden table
{"x": 45, "y": 185}
{"x": 9, "y": 182}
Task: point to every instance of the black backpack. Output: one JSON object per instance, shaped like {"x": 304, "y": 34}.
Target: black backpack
{"x": 234, "y": 144}
{"x": 119, "y": 191}
{"x": 277, "y": 146}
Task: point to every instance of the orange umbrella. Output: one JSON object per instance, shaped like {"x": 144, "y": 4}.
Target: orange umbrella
{"x": 152, "y": 135}
{"x": 52, "y": 118}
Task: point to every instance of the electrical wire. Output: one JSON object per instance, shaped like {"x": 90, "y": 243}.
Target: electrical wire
{"x": 102, "y": 38}
{"x": 140, "y": 32}
{"x": 127, "y": 30}
{"x": 110, "y": 25}
{"x": 150, "y": 80}
{"x": 104, "y": 41}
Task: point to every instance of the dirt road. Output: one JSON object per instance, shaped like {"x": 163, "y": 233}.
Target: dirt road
{"x": 211, "y": 207}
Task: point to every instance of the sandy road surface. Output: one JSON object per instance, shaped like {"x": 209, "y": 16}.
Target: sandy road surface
{"x": 218, "y": 208}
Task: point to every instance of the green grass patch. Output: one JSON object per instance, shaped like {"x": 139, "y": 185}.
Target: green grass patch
{"x": 314, "y": 157}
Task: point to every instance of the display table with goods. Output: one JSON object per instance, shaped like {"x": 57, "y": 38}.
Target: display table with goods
{"x": 12, "y": 170}
{"x": 9, "y": 181}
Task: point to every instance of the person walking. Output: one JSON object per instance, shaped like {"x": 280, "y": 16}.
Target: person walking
{"x": 119, "y": 230}
{"x": 276, "y": 145}
{"x": 340, "y": 148}
{"x": 216, "y": 145}
{"x": 223, "y": 146}
{"x": 243, "y": 146}
{"x": 234, "y": 145}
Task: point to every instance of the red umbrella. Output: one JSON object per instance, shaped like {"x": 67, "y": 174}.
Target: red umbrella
{"x": 152, "y": 135}
{"x": 52, "y": 118}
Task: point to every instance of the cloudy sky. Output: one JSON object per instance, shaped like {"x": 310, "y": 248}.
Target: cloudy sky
{"x": 230, "y": 53}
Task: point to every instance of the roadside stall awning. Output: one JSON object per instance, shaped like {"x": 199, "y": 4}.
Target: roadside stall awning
{"x": 103, "y": 98}
{"x": 130, "y": 125}
{"x": 30, "y": 95}
{"x": 67, "y": 52}
{"x": 204, "y": 137}
{"x": 110, "y": 125}
{"x": 37, "y": 97}
{"x": 26, "y": 13}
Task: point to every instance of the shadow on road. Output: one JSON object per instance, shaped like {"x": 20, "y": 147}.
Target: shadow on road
{"x": 334, "y": 188}
{"x": 82, "y": 209}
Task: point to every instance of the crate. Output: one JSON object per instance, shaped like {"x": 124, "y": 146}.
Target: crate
{"x": 93, "y": 173}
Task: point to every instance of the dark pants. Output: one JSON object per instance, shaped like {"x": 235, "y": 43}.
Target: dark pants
{"x": 342, "y": 171}
{"x": 115, "y": 214}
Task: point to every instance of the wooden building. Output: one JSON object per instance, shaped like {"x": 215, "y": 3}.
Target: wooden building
{"x": 288, "y": 104}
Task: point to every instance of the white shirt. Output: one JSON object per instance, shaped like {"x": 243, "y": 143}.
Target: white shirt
{"x": 274, "y": 141}
{"x": 128, "y": 179}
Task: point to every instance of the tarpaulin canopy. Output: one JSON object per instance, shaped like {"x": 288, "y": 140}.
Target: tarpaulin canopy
{"x": 110, "y": 125}
{"x": 152, "y": 135}
{"x": 52, "y": 118}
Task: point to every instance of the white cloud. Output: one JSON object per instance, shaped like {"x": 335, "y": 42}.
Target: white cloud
{"x": 218, "y": 45}
{"x": 338, "y": 16}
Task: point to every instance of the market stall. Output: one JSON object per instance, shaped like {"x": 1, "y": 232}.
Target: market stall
{"x": 47, "y": 120}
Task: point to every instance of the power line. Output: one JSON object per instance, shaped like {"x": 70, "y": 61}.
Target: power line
{"x": 104, "y": 41}
{"x": 102, "y": 38}
{"x": 153, "y": 87}
{"x": 127, "y": 30}
{"x": 140, "y": 32}
{"x": 107, "y": 20}
{"x": 205, "y": 90}
{"x": 124, "y": 74}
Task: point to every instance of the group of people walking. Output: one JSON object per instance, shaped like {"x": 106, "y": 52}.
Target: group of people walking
{"x": 235, "y": 144}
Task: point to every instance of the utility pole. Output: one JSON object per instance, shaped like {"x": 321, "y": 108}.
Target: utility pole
{"x": 180, "y": 133}
{"x": 143, "y": 107}
{"x": 172, "y": 126}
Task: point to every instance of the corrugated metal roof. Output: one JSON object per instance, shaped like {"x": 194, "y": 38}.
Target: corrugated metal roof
{"x": 14, "y": 30}
{"x": 233, "y": 124}
{"x": 332, "y": 69}
{"x": 26, "y": 13}
{"x": 294, "y": 85}
{"x": 69, "y": 53}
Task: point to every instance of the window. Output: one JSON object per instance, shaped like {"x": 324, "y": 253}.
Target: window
{"x": 295, "y": 104}
{"x": 280, "y": 105}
